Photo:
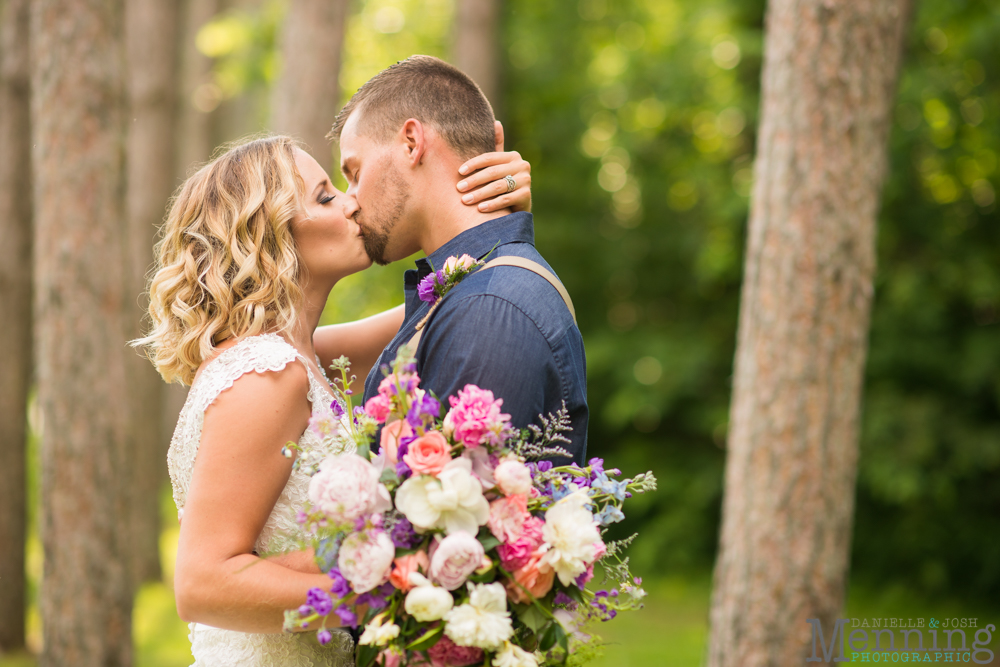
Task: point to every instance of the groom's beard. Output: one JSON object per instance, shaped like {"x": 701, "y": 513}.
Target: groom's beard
{"x": 381, "y": 216}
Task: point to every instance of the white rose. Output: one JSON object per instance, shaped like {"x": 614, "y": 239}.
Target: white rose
{"x": 376, "y": 634}
{"x": 569, "y": 536}
{"x": 483, "y": 621}
{"x": 513, "y": 477}
{"x": 465, "y": 262}
{"x": 365, "y": 559}
{"x": 427, "y": 603}
{"x": 514, "y": 656}
{"x": 347, "y": 487}
{"x": 453, "y": 500}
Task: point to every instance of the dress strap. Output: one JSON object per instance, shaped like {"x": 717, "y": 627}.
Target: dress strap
{"x": 506, "y": 260}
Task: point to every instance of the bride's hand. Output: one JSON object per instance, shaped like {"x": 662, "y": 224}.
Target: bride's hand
{"x": 485, "y": 184}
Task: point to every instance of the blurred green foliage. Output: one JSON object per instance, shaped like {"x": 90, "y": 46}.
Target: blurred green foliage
{"x": 638, "y": 117}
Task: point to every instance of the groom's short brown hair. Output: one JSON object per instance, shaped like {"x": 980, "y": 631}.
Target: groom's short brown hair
{"x": 433, "y": 92}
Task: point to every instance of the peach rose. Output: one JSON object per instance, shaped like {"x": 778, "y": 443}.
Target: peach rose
{"x": 535, "y": 576}
{"x": 406, "y": 565}
{"x": 429, "y": 454}
{"x": 391, "y": 435}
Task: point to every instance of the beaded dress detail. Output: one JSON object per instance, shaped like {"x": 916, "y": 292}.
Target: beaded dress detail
{"x": 214, "y": 647}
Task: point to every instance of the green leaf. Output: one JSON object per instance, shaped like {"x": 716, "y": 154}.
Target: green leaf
{"x": 426, "y": 640}
{"x": 367, "y": 655}
{"x": 531, "y": 616}
{"x": 561, "y": 637}
{"x": 548, "y": 637}
{"x": 487, "y": 539}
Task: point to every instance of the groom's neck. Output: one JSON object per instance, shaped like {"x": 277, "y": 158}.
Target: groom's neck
{"x": 446, "y": 217}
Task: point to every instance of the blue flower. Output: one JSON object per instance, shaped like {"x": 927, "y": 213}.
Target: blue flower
{"x": 610, "y": 514}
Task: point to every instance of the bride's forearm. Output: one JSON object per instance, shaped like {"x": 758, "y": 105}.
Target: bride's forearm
{"x": 362, "y": 340}
{"x": 244, "y": 593}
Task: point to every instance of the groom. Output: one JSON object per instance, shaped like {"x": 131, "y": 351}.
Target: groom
{"x": 402, "y": 138}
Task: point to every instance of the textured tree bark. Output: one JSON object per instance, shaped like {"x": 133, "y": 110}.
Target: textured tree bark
{"x": 306, "y": 98}
{"x": 15, "y": 304}
{"x": 829, "y": 77}
{"x": 197, "y": 92}
{"x": 78, "y": 113}
{"x": 476, "y": 45}
{"x": 151, "y": 45}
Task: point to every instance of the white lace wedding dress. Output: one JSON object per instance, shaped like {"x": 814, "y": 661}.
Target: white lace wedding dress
{"x": 214, "y": 647}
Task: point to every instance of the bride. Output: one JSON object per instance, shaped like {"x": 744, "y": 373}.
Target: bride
{"x": 252, "y": 246}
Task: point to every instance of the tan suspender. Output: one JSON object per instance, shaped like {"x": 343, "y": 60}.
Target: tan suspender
{"x": 509, "y": 260}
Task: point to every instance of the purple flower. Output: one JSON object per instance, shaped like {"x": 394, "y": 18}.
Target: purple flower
{"x": 305, "y": 610}
{"x": 402, "y": 470}
{"x": 427, "y": 289}
{"x": 422, "y": 411}
{"x": 341, "y": 588}
{"x": 319, "y": 600}
{"x": 337, "y": 408}
{"x": 376, "y": 599}
{"x": 563, "y": 599}
{"x": 347, "y": 617}
{"x": 596, "y": 465}
{"x": 403, "y": 535}
{"x": 324, "y": 637}
{"x": 544, "y": 466}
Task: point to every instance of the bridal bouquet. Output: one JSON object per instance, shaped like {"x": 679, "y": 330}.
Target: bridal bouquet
{"x": 457, "y": 543}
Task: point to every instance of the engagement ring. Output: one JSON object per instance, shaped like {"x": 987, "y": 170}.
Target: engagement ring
{"x": 511, "y": 183}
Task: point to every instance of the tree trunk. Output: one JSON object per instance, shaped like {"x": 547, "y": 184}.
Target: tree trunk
{"x": 306, "y": 98}
{"x": 828, "y": 83}
{"x": 151, "y": 44}
{"x": 15, "y": 304}
{"x": 78, "y": 111}
{"x": 199, "y": 96}
{"x": 476, "y": 48}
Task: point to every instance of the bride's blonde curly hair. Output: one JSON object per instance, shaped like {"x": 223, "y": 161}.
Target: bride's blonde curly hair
{"x": 226, "y": 262}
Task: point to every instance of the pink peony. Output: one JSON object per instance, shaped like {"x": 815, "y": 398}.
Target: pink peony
{"x": 365, "y": 559}
{"x": 391, "y": 435}
{"x": 532, "y": 530}
{"x": 535, "y": 576}
{"x": 378, "y": 408}
{"x": 483, "y": 464}
{"x": 405, "y": 566}
{"x": 391, "y": 384}
{"x": 445, "y": 653}
{"x": 515, "y": 554}
{"x": 599, "y": 550}
{"x": 475, "y": 418}
{"x": 389, "y": 658}
{"x": 347, "y": 487}
{"x": 428, "y": 454}
{"x": 513, "y": 477}
{"x": 507, "y": 517}
{"x": 457, "y": 556}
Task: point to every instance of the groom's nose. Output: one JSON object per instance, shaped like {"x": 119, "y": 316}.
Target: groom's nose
{"x": 350, "y": 204}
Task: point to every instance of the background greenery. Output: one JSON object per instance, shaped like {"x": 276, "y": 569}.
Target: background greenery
{"x": 638, "y": 117}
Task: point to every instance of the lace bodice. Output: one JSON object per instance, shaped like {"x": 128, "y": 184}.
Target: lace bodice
{"x": 213, "y": 647}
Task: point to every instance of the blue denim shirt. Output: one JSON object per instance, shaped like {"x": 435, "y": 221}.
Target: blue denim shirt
{"x": 505, "y": 329}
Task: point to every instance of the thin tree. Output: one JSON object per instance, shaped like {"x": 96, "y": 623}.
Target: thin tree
{"x": 307, "y": 95}
{"x": 828, "y": 83}
{"x": 151, "y": 44}
{"x": 78, "y": 136}
{"x": 15, "y": 304}
{"x": 476, "y": 45}
{"x": 199, "y": 96}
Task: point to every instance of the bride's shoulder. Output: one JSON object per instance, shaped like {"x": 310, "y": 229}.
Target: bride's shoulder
{"x": 266, "y": 357}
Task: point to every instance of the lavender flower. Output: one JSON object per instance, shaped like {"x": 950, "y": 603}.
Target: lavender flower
{"x": 427, "y": 289}
{"x": 347, "y": 617}
{"x": 403, "y": 535}
{"x": 319, "y": 600}
{"x": 338, "y": 409}
{"x": 324, "y": 637}
{"x": 423, "y": 411}
{"x": 341, "y": 587}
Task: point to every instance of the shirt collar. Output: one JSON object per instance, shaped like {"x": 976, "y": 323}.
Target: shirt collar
{"x": 478, "y": 241}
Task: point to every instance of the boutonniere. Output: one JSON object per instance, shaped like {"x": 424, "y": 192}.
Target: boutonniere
{"x": 435, "y": 285}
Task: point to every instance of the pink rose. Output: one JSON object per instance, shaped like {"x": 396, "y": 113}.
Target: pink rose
{"x": 428, "y": 454}
{"x": 445, "y": 653}
{"x": 391, "y": 435}
{"x": 365, "y": 559}
{"x": 378, "y": 408}
{"x": 475, "y": 418}
{"x": 457, "y": 556}
{"x": 532, "y": 530}
{"x": 515, "y": 554}
{"x": 389, "y": 658}
{"x": 347, "y": 487}
{"x": 535, "y": 576}
{"x": 513, "y": 477}
{"x": 405, "y": 566}
{"x": 507, "y": 517}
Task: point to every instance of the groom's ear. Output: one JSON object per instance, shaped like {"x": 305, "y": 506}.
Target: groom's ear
{"x": 414, "y": 140}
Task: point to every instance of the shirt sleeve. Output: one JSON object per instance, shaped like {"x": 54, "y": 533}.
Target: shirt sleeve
{"x": 487, "y": 341}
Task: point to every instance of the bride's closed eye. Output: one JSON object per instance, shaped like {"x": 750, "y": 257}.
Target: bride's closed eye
{"x": 326, "y": 199}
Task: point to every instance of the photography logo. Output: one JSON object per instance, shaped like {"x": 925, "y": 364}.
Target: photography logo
{"x": 902, "y": 640}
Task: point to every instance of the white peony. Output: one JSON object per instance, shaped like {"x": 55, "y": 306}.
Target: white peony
{"x": 376, "y": 634}
{"x": 347, "y": 487}
{"x": 513, "y": 477}
{"x": 483, "y": 621}
{"x": 453, "y": 500}
{"x": 514, "y": 656}
{"x": 569, "y": 536}
{"x": 365, "y": 559}
{"x": 426, "y": 602}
